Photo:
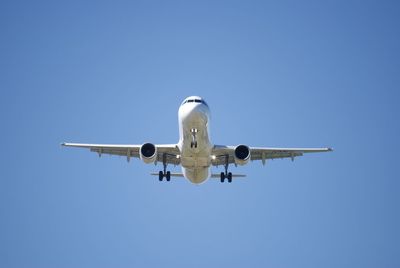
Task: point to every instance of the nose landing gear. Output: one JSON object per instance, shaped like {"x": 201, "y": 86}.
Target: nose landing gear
{"x": 193, "y": 143}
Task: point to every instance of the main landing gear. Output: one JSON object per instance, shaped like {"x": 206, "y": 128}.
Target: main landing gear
{"x": 164, "y": 173}
{"x": 226, "y": 175}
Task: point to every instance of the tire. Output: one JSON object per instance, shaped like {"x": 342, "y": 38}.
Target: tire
{"x": 160, "y": 176}
{"x": 222, "y": 176}
{"x": 229, "y": 177}
{"x": 168, "y": 176}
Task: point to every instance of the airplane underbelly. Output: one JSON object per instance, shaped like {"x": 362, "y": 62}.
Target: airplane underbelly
{"x": 196, "y": 162}
{"x": 196, "y": 175}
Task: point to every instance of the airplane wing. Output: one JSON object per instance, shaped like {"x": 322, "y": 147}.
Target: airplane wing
{"x": 224, "y": 154}
{"x": 170, "y": 151}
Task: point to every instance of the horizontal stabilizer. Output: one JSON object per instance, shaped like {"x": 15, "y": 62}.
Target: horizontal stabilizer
{"x": 217, "y": 176}
{"x": 172, "y": 174}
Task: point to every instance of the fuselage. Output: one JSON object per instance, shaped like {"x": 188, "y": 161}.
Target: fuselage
{"x": 194, "y": 141}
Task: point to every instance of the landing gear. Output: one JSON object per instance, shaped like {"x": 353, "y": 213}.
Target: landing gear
{"x": 226, "y": 175}
{"x": 164, "y": 173}
{"x": 193, "y": 143}
{"x": 167, "y": 175}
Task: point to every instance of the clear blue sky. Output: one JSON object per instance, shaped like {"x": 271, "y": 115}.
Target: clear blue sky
{"x": 282, "y": 73}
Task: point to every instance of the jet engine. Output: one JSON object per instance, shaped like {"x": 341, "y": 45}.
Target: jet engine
{"x": 242, "y": 155}
{"x": 148, "y": 153}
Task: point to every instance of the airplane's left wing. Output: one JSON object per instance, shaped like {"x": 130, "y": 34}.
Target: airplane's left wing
{"x": 226, "y": 154}
{"x": 169, "y": 151}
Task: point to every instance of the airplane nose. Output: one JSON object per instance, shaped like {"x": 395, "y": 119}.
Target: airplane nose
{"x": 196, "y": 112}
{"x": 199, "y": 111}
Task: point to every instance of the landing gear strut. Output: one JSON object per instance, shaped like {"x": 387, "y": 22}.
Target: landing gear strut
{"x": 164, "y": 173}
{"x": 226, "y": 175}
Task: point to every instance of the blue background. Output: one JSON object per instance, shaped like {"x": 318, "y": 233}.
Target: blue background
{"x": 275, "y": 73}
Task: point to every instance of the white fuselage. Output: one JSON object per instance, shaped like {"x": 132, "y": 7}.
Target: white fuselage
{"x": 194, "y": 119}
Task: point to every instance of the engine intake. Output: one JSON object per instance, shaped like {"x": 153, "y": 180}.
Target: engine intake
{"x": 148, "y": 153}
{"x": 242, "y": 154}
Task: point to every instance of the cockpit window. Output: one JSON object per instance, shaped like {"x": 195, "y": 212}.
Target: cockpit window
{"x": 195, "y": 100}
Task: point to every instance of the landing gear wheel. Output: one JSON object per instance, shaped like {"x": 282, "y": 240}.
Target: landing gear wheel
{"x": 229, "y": 177}
{"x": 193, "y": 144}
{"x": 222, "y": 176}
{"x": 160, "y": 175}
{"x": 168, "y": 176}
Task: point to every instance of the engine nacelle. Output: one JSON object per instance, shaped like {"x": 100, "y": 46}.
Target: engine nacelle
{"x": 148, "y": 153}
{"x": 242, "y": 155}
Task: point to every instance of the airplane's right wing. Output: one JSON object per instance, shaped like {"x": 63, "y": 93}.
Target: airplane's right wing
{"x": 169, "y": 151}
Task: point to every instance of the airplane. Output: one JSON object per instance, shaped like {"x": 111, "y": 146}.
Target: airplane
{"x": 194, "y": 151}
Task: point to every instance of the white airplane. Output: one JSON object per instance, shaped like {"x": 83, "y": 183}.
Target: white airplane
{"x": 194, "y": 151}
